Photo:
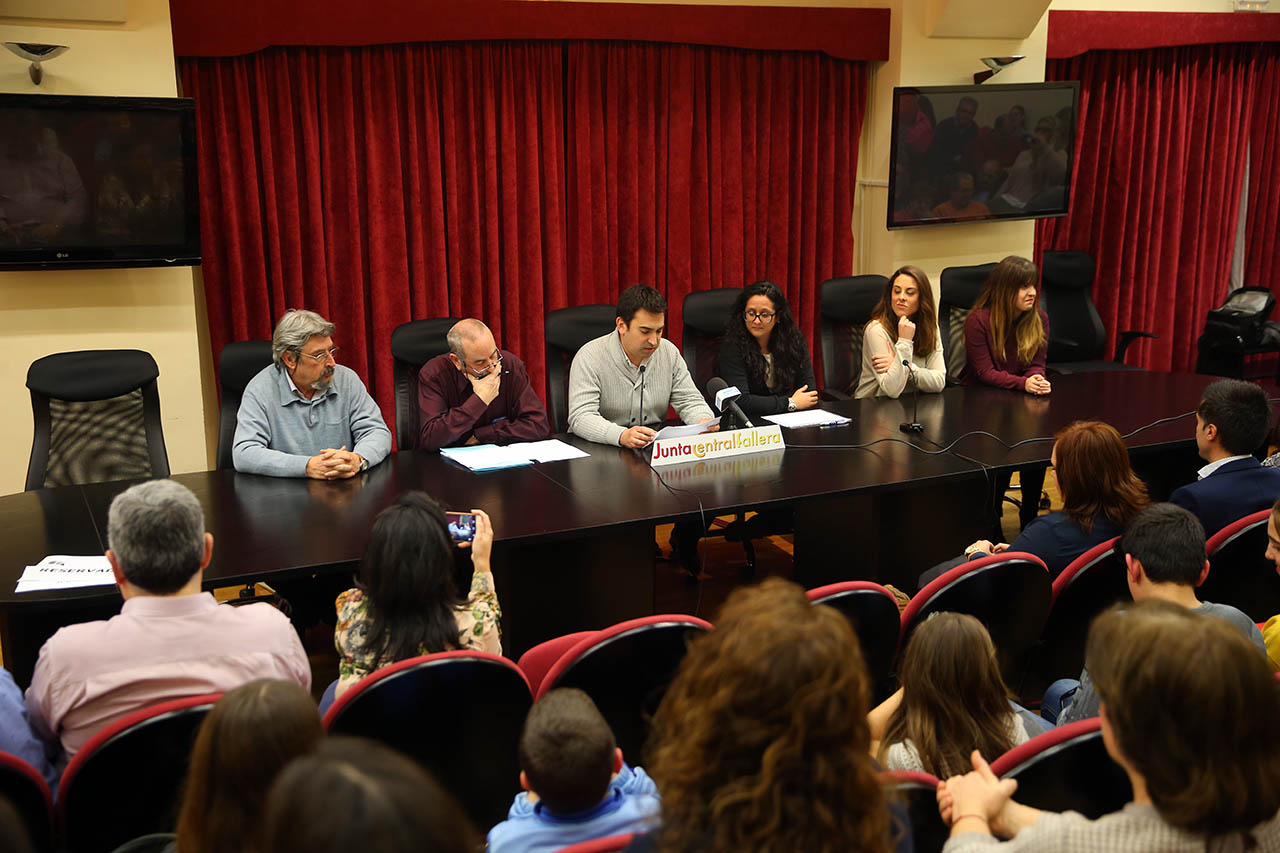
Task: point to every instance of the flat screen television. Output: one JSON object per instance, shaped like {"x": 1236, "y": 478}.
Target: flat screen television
{"x": 981, "y": 153}
{"x": 97, "y": 182}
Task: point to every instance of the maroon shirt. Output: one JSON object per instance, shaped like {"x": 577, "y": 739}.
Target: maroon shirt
{"x": 450, "y": 412}
{"x": 980, "y": 364}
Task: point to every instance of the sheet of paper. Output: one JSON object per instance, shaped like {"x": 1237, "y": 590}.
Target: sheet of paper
{"x": 486, "y": 457}
{"x": 809, "y": 417}
{"x": 551, "y": 450}
{"x": 687, "y": 430}
{"x": 63, "y": 572}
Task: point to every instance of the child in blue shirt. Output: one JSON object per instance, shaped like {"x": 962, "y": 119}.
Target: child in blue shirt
{"x": 576, "y": 785}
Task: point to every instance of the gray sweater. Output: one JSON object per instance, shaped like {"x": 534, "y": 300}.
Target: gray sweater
{"x": 606, "y": 390}
{"x": 278, "y": 430}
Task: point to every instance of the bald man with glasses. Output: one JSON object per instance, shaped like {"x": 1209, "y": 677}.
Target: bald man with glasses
{"x": 477, "y": 394}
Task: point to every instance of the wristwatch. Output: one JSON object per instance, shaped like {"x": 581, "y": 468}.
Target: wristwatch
{"x": 364, "y": 464}
{"x": 791, "y": 404}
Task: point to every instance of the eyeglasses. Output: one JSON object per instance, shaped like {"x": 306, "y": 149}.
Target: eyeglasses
{"x": 322, "y": 356}
{"x": 762, "y": 316}
{"x": 494, "y": 360}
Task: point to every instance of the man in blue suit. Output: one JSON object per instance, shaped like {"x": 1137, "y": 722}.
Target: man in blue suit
{"x": 1232, "y": 421}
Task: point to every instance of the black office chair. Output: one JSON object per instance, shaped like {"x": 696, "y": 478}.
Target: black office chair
{"x": 845, "y": 305}
{"x": 918, "y": 792}
{"x": 413, "y": 344}
{"x": 1239, "y": 572}
{"x": 1077, "y": 335}
{"x": 97, "y": 418}
{"x": 566, "y": 330}
{"x": 706, "y": 313}
{"x": 958, "y": 289}
{"x": 873, "y": 612}
{"x": 239, "y": 362}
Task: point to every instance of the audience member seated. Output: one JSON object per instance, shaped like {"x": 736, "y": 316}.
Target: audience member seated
{"x": 761, "y": 742}
{"x": 903, "y": 328}
{"x": 960, "y": 203}
{"x": 243, "y": 744}
{"x": 764, "y": 354}
{"x": 1232, "y": 421}
{"x": 16, "y": 735}
{"x": 170, "y": 640}
{"x": 951, "y": 702}
{"x": 1164, "y": 559}
{"x": 357, "y": 795}
{"x": 463, "y": 398}
{"x": 405, "y": 603}
{"x": 299, "y": 416}
{"x": 1189, "y": 712}
{"x": 1271, "y": 632}
{"x": 1006, "y": 341}
{"x": 1100, "y": 494}
{"x": 577, "y": 787}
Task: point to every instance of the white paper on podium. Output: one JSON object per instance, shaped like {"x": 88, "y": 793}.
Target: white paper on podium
{"x": 62, "y": 572}
{"x": 810, "y": 417}
{"x": 551, "y": 450}
{"x": 686, "y": 430}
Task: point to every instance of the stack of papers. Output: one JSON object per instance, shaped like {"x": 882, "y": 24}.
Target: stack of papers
{"x": 683, "y": 430}
{"x": 807, "y": 418}
{"x": 59, "y": 572}
{"x": 491, "y": 457}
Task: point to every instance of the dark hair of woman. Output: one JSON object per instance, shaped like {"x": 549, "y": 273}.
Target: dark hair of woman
{"x": 925, "y": 317}
{"x": 248, "y": 738}
{"x": 407, "y": 574}
{"x": 786, "y": 343}
{"x": 1091, "y": 462}
{"x": 1210, "y": 756}
{"x": 354, "y": 794}
{"x": 953, "y": 698}
{"x": 1000, "y": 295}
{"x": 761, "y": 742}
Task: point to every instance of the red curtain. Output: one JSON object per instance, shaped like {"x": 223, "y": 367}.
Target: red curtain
{"x": 1160, "y": 157}
{"x": 505, "y": 179}
{"x": 1262, "y": 234}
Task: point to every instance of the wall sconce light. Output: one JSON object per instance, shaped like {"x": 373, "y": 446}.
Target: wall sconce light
{"x": 995, "y": 65}
{"x": 35, "y": 54}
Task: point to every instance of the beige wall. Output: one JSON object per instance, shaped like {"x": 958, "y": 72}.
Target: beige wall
{"x": 150, "y": 309}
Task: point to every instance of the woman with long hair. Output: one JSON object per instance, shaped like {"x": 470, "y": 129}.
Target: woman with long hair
{"x": 903, "y": 328}
{"x": 951, "y": 702}
{"x": 245, "y": 741}
{"x": 1100, "y": 494}
{"x": 761, "y": 742}
{"x": 764, "y": 355}
{"x": 405, "y": 602}
{"x": 1189, "y": 711}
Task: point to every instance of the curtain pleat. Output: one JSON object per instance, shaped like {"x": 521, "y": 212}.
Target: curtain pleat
{"x": 1262, "y": 245}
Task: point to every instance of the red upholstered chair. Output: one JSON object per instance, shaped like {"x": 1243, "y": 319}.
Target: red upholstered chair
{"x": 1089, "y": 585}
{"x": 24, "y": 787}
{"x": 918, "y": 792}
{"x": 1009, "y": 593}
{"x": 127, "y": 780}
{"x": 459, "y": 714}
{"x": 1239, "y": 572}
{"x": 538, "y": 660}
{"x": 874, "y": 614}
{"x": 1067, "y": 768}
{"x": 612, "y": 844}
{"x": 625, "y": 669}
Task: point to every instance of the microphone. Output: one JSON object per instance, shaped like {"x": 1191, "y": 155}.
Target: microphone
{"x": 642, "y": 395}
{"x": 726, "y": 399}
{"x": 914, "y": 424}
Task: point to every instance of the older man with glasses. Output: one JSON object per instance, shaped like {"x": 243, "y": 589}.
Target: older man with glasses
{"x": 477, "y": 394}
{"x": 305, "y": 415}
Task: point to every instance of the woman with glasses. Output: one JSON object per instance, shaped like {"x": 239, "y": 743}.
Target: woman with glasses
{"x": 903, "y": 329}
{"x": 764, "y": 355}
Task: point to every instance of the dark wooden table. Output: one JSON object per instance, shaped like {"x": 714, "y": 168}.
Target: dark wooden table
{"x": 574, "y": 545}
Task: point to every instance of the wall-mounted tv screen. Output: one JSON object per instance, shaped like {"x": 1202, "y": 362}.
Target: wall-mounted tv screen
{"x": 981, "y": 153}
{"x": 97, "y": 182}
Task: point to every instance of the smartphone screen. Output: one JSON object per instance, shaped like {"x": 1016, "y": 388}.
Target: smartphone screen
{"x": 462, "y": 525}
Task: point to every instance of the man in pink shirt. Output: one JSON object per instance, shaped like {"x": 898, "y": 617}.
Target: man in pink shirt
{"x": 170, "y": 640}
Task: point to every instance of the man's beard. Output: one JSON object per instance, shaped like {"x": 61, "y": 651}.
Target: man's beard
{"x": 322, "y": 384}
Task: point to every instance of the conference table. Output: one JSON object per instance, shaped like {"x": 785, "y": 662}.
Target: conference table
{"x": 574, "y": 540}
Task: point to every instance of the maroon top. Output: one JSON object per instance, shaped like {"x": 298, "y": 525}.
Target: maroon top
{"x": 450, "y": 412}
{"x": 980, "y": 364}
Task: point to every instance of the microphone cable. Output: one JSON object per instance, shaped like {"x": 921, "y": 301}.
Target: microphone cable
{"x": 702, "y": 520}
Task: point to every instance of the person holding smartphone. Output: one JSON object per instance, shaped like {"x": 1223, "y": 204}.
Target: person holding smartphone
{"x": 404, "y": 603}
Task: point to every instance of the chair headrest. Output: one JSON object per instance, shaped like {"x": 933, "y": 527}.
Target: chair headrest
{"x": 1067, "y": 270}
{"x": 419, "y": 341}
{"x": 240, "y": 361}
{"x": 91, "y": 374}
{"x": 570, "y": 328}
{"x": 707, "y": 311}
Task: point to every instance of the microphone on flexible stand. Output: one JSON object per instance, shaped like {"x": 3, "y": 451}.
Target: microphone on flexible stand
{"x": 726, "y": 400}
{"x": 914, "y": 424}
{"x": 642, "y": 423}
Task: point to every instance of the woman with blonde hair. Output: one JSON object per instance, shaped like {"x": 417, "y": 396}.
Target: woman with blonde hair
{"x": 952, "y": 701}
{"x": 903, "y": 329}
{"x": 761, "y": 742}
